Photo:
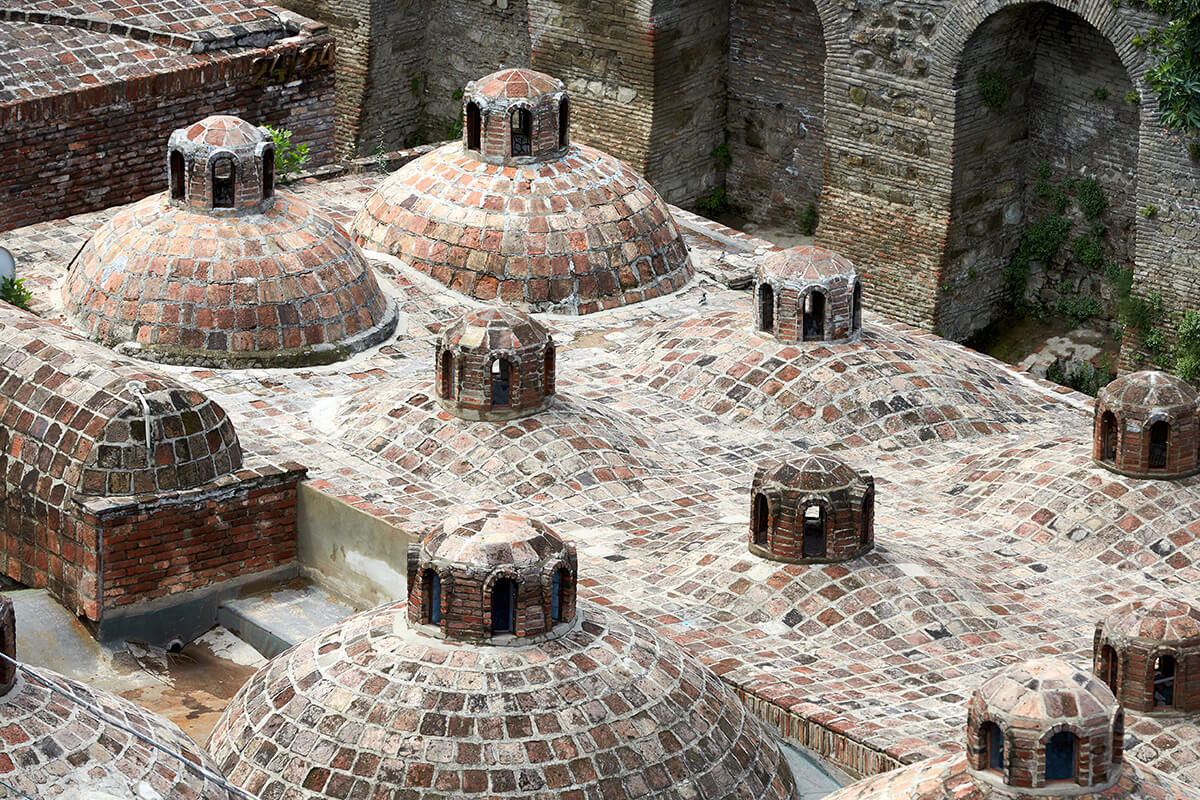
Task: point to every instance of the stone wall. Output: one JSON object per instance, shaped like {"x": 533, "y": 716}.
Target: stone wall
{"x": 775, "y": 107}
{"x": 1065, "y": 113}
{"x": 102, "y": 146}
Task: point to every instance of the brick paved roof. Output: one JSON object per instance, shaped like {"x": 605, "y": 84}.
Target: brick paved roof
{"x": 1149, "y": 389}
{"x": 488, "y": 537}
{"x": 495, "y": 329}
{"x": 806, "y": 263}
{"x": 575, "y": 234}
{"x": 516, "y": 83}
{"x": 813, "y": 471}
{"x": 609, "y": 711}
{"x": 948, "y": 778}
{"x": 1157, "y": 620}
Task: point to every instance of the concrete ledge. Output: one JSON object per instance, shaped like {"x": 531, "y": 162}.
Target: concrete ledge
{"x": 349, "y": 552}
{"x": 185, "y": 615}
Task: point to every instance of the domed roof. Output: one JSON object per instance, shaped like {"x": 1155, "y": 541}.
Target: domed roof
{"x": 1149, "y": 389}
{"x": 805, "y": 263}
{"x": 1045, "y": 692}
{"x": 810, "y": 472}
{"x": 61, "y": 750}
{"x": 222, "y": 130}
{"x": 1159, "y": 620}
{"x": 487, "y": 537}
{"x": 576, "y": 233}
{"x": 282, "y": 287}
{"x": 495, "y": 329}
{"x": 609, "y": 710}
{"x": 516, "y": 83}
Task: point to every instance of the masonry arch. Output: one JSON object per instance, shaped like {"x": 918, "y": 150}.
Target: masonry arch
{"x": 1039, "y": 98}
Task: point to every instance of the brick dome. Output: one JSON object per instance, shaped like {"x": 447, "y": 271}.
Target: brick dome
{"x": 267, "y": 281}
{"x": 516, "y": 212}
{"x": 1045, "y": 722}
{"x": 495, "y": 364}
{"x": 608, "y": 710}
{"x": 222, "y": 130}
{"x": 1148, "y": 653}
{"x": 815, "y": 508}
{"x": 54, "y": 748}
{"x": 455, "y": 574}
{"x": 805, "y": 294}
{"x": 1145, "y": 425}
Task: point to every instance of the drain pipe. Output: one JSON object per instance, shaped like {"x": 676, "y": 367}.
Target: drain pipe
{"x": 138, "y": 388}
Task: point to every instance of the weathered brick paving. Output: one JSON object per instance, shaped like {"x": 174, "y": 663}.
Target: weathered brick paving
{"x": 985, "y": 490}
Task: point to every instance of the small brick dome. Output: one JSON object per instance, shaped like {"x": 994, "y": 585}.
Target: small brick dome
{"x": 815, "y": 508}
{"x": 516, "y": 116}
{"x": 61, "y": 750}
{"x": 484, "y": 574}
{"x": 1148, "y": 653}
{"x": 495, "y": 364}
{"x": 1145, "y": 425}
{"x": 605, "y": 709}
{"x": 1045, "y": 723}
{"x": 564, "y": 228}
{"x": 806, "y": 294}
{"x": 262, "y": 280}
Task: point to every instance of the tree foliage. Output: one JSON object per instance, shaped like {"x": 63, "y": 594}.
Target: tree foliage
{"x": 1176, "y": 76}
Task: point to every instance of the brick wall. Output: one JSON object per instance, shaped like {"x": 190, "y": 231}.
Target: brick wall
{"x": 97, "y": 147}
{"x": 174, "y": 543}
{"x": 776, "y": 107}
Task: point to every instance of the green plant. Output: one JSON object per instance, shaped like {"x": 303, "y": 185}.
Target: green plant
{"x": 1057, "y": 195}
{"x": 993, "y": 90}
{"x": 808, "y": 219}
{"x": 1086, "y": 378}
{"x": 1079, "y": 308}
{"x": 1039, "y": 242}
{"x": 1187, "y": 346}
{"x": 1133, "y": 97}
{"x": 947, "y": 287}
{"x": 1092, "y": 201}
{"x": 721, "y": 155}
{"x": 379, "y": 154}
{"x": 1100, "y": 93}
{"x": 1194, "y": 150}
{"x": 12, "y": 290}
{"x": 715, "y": 202}
{"x": 289, "y": 158}
{"x": 1150, "y": 211}
{"x": 1176, "y": 75}
{"x": 1088, "y": 252}
{"x": 972, "y": 273}
{"x": 1137, "y": 40}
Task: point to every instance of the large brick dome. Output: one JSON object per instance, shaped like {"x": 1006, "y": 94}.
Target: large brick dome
{"x": 598, "y": 708}
{"x": 52, "y": 747}
{"x": 220, "y": 270}
{"x": 516, "y": 212}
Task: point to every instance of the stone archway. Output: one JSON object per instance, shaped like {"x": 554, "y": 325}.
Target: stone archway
{"x": 1040, "y": 101}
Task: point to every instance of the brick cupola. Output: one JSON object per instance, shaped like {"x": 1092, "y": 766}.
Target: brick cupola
{"x": 495, "y": 364}
{"x": 1145, "y": 426}
{"x": 221, "y": 270}
{"x": 811, "y": 509}
{"x": 489, "y": 576}
{"x": 516, "y": 116}
{"x": 1148, "y": 653}
{"x": 1045, "y": 727}
{"x": 517, "y": 213}
{"x": 807, "y": 294}
{"x": 221, "y": 164}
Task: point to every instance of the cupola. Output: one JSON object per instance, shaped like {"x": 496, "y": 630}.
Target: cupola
{"x": 807, "y": 294}
{"x": 516, "y": 116}
{"x": 221, "y": 164}
{"x": 490, "y": 576}
{"x": 815, "y": 508}
{"x": 1148, "y": 653}
{"x": 495, "y": 364}
{"x": 1045, "y": 727}
{"x": 1144, "y": 426}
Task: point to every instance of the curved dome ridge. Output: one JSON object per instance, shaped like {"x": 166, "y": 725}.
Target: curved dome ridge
{"x": 1150, "y": 388}
{"x": 1159, "y": 620}
{"x": 223, "y": 130}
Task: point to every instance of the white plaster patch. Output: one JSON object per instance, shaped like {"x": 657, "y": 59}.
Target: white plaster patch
{"x": 380, "y": 573}
{"x": 228, "y": 647}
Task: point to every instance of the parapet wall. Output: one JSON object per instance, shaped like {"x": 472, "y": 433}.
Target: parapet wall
{"x": 101, "y": 145}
